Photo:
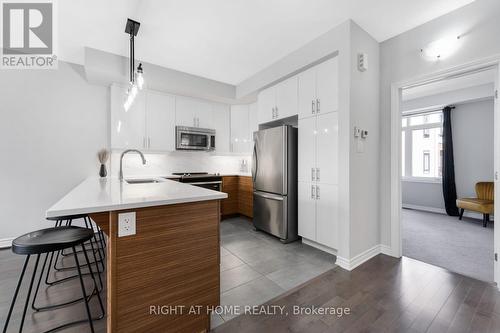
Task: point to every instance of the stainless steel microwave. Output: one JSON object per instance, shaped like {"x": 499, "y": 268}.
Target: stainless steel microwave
{"x": 194, "y": 138}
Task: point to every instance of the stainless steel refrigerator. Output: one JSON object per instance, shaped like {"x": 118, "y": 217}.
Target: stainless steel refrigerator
{"x": 274, "y": 173}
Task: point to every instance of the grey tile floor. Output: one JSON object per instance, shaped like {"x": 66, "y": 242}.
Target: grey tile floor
{"x": 256, "y": 267}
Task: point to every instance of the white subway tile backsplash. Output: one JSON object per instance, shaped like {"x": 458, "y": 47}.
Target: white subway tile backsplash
{"x": 159, "y": 164}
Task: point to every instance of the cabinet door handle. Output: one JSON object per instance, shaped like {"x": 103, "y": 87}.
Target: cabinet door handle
{"x": 312, "y": 107}
{"x": 143, "y": 142}
{"x": 149, "y": 142}
{"x": 317, "y": 173}
{"x": 313, "y": 192}
{"x": 313, "y": 177}
{"x": 317, "y": 192}
{"x": 317, "y": 105}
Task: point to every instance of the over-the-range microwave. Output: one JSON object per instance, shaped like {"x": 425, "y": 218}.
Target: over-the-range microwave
{"x": 194, "y": 138}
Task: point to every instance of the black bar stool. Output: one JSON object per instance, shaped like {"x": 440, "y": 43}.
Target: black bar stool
{"x": 99, "y": 244}
{"x": 94, "y": 247}
{"x": 47, "y": 241}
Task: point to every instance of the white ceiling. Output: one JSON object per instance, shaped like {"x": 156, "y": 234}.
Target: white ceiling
{"x": 228, "y": 40}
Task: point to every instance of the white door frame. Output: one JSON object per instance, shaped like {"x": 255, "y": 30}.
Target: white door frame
{"x": 396, "y": 197}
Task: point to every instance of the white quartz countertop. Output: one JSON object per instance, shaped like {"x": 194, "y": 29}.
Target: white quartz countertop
{"x": 96, "y": 195}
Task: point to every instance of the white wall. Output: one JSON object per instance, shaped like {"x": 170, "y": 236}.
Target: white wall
{"x": 401, "y": 60}
{"x": 472, "y": 129}
{"x": 364, "y": 164}
{"x": 53, "y": 123}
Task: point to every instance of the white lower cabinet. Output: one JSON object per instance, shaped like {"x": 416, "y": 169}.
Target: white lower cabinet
{"x": 327, "y": 215}
{"x": 318, "y": 213}
{"x": 307, "y": 210}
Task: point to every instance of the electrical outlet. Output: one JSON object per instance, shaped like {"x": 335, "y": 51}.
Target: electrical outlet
{"x": 126, "y": 224}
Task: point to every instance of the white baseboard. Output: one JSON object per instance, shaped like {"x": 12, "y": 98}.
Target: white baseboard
{"x": 471, "y": 215}
{"x": 359, "y": 259}
{"x": 319, "y": 246}
{"x": 6, "y": 242}
{"x": 387, "y": 250}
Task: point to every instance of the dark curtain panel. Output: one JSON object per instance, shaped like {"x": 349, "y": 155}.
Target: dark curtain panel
{"x": 449, "y": 188}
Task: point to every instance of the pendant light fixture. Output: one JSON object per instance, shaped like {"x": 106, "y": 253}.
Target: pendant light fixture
{"x": 136, "y": 81}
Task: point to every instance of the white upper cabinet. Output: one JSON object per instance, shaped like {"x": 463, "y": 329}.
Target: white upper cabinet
{"x": 160, "y": 121}
{"x": 319, "y": 89}
{"x": 241, "y": 140}
{"x": 286, "y": 98}
{"x": 327, "y": 86}
{"x": 193, "y": 113}
{"x": 307, "y": 93}
{"x": 184, "y": 112}
{"x": 128, "y": 128}
{"x": 266, "y": 104}
{"x": 222, "y": 121}
{"x": 279, "y": 101}
{"x": 149, "y": 124}
{"x": 252, "y": 118}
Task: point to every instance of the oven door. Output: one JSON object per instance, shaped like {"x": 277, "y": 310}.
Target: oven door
{"x": 192, "y": 140}
{"x": 214, "y": 186}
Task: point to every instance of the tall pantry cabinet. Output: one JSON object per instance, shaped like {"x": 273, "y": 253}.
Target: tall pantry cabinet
{"x": 318, "y": 154}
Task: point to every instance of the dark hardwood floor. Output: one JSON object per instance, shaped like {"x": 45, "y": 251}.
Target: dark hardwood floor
{"x": 383, "y": 295}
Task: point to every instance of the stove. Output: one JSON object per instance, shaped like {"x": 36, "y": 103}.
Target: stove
{"x": 207, "y": 180}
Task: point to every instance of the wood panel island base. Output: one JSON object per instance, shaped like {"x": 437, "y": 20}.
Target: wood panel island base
{"x": 165, "y": 277}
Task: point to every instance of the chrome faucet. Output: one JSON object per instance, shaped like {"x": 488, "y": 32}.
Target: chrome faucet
{"x": 120, "y": 175}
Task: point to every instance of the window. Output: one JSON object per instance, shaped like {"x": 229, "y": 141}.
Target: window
{"x": 427, "y": 161}
{"x": 422, "y": 146}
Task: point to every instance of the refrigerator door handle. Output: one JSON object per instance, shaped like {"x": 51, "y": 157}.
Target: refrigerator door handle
{"x": 277, "y": 197}
{"x": 255, "y": 163}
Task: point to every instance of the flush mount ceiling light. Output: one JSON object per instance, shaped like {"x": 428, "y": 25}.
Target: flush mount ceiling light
{"x": 441, "y": 48}
{"x": 136, "y": 82}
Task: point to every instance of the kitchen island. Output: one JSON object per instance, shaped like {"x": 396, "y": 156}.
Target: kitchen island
{"x": 169, "y": 266}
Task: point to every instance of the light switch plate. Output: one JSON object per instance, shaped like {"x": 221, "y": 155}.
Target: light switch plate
{"x": 126, "y": 224}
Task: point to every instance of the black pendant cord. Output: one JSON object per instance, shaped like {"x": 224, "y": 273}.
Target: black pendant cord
{"x": 132, "y": 59}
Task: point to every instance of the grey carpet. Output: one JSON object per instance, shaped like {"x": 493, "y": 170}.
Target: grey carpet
{"x": 463, "y": 247}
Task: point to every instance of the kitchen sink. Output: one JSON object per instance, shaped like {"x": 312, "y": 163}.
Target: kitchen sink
{"x": 143, "y": 181}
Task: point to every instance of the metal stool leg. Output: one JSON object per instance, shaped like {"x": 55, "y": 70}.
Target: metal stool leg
{"x": 16, "y": 293}
{"x": 95, "y": 283}
{"x": 29, "y": 293}
{"x": 83, "y": 290}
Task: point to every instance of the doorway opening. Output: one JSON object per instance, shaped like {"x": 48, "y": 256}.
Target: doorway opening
{"x": 425, "y": 221}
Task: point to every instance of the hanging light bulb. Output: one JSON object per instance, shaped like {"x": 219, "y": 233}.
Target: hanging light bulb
{"x": 139, "y": 77}
{"x": 131, "y": 94}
